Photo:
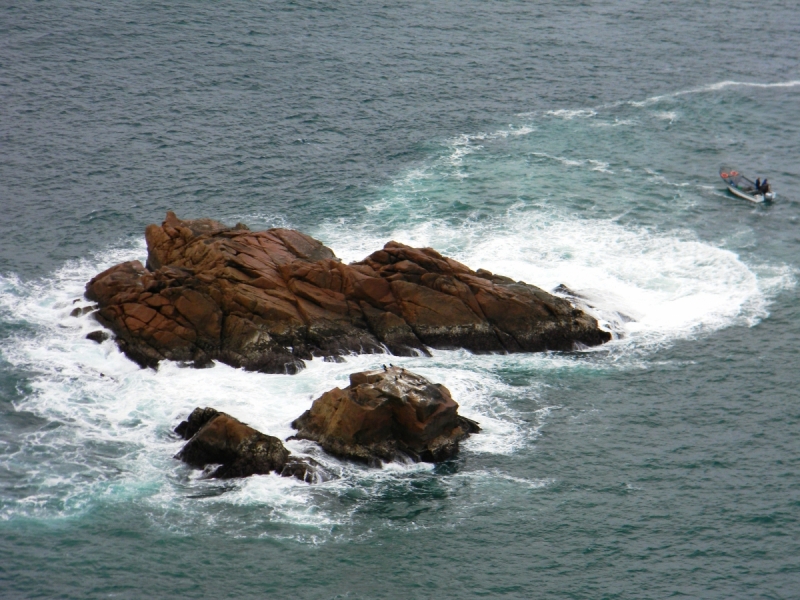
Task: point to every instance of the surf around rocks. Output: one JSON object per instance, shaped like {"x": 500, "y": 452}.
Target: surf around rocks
{"x": 383, "y": 415}
{"x": 269, "y": 300}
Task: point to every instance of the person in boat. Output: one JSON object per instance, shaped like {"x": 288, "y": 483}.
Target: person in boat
{"x": 758, "y": 184}
{"x": 765, "y": 187}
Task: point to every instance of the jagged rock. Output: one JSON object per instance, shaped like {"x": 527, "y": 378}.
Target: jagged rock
{"x": 386, "y": 414}
{"x": 269, "y": 300}
{"x": 216, "y": 438}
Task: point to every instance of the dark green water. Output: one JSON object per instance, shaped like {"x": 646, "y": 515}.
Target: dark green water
{"x": 573, "y": 143}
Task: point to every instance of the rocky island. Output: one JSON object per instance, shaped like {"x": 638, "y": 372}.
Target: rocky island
{"x": 269, "y": 300}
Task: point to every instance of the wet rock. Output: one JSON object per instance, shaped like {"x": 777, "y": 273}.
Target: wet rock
{"x": 269, "y": 300}
{"x": 216, "y": 438}
{"x": 385, "y": 415}
{"x": 562, "y": 290}
{"x": 98, "y": 336}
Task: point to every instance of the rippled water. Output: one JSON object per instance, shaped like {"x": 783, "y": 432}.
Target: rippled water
{"x": 565, "y": 143}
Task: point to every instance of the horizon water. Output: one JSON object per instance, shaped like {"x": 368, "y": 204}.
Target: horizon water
{"x": 560, "y": 143}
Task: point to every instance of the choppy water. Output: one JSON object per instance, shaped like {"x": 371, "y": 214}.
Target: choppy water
{"x": 573, "y": 143}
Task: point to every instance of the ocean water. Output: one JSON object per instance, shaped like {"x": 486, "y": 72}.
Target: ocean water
{"x": 570, "y": 143}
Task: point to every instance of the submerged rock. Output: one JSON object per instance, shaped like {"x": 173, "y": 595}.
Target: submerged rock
{"x": 384, "y": 415}
{"x": 269, "y": 300}
{"x": 216, "y": 438}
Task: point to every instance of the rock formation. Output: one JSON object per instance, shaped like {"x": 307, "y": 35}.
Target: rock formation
{"x": 269, "y": 300}
{"x": 384, "y": 415}
{"x": 216, "y": 438}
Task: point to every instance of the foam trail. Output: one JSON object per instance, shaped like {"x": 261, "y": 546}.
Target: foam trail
{"x": 595, "y": 165}
{"x": 567, "y": 114}
{"x": 715, "y": 87}
{"x": 586, "y": 113}
{"x": 466, "y": 144}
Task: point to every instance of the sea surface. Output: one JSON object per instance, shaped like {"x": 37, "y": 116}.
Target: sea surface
{"x": 568, "y": 142}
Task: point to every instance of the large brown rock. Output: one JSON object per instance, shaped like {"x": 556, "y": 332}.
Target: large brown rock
{"x": 216, "y": 438}
{"x": 269, "y": 300}
{"x": 384, "y": 415}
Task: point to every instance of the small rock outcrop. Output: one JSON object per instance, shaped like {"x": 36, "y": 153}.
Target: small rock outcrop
{"x": 384, "y": 415}
{"x": 216, "y": 438}
{"x": 269, "y": 300}
{"x": 98, "y": 336}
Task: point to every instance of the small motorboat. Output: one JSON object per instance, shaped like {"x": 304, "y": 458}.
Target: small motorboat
{"x": 741, "y": 186}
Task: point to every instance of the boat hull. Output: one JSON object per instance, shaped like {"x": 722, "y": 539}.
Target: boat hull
{"x": 754, "y": 198}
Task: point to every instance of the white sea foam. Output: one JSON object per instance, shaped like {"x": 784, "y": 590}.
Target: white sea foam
{"x": 591, "y": 112}
{"x": 599, "y": 165}
{"x": 594, "y": 165}
{"x": 113, "y": 440}
{"x": 466, "y": 144}
{"x": 114, "y": 419}
{"x": 666, "y": 115}
{"x": 714, "y": 87}
{"x": 462, "y": 146}
{"x": 649, "y": 287}
{"x": 569, "y": 114}
{"x": 615, "y": 123}
{"x": 655, "y": 176}
{"x": 522, "y": 130}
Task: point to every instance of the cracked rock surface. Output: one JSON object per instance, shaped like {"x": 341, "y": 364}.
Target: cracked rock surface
{"x": 236, "y": 449}
{"x": 269, "y": 300}
{"x": 384, "y": 415}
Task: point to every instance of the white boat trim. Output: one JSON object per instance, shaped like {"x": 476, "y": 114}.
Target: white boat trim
{"x": 755, "y": 198}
